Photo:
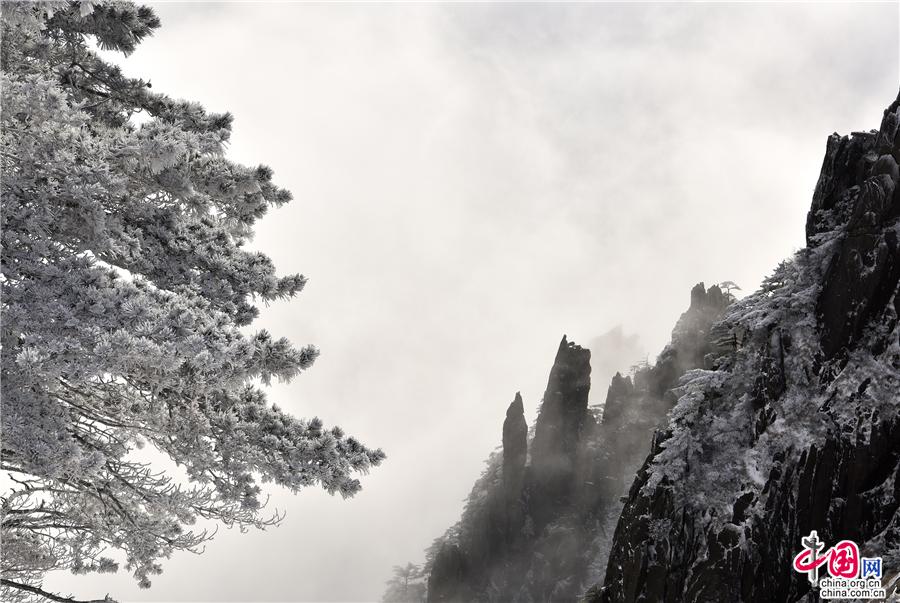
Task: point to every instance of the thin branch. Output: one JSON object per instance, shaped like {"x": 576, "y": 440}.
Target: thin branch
{"x": 48, "y": 595}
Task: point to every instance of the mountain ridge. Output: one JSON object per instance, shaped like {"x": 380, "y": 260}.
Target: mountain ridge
{"x": 762, "y": 419}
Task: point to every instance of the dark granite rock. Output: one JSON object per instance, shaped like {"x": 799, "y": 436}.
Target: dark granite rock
{"x": 689, "y": 529}
{"x": 770, "y": 381}
{"x": 515, "y": 449}
{"x": 449, "y": 576}
{"x": 515, "y": 453}
{"x": 558, "y": 430}
{"x": 843, "y": 478}
{"x": 856, "y": 205}
{"x": 618, "y": 394}
{"x": 847, "y": 489}
{"x": 534, "y": 534}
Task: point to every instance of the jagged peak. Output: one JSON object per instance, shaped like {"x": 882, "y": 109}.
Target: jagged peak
{"x": 619, "y": 386}
{"x": 565, "y": 343}
{"x": 821, "y": 337}
{"x": 703, "y": 298}
{"x": 571, "y": 357}
{"x": 852, "y": 165}
{"x": 516, "y": 407}
{"x": 707, "y": 306}
{"x": 558, "y": 429}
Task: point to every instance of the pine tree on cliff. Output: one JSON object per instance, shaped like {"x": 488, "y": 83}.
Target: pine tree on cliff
{"x": 406, "y": 585}
{"x": 125, "y": 292}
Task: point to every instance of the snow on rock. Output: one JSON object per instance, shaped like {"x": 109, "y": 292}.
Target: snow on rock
{"x": 795, "y": 427}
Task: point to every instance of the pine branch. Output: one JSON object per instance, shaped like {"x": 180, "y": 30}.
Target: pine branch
{"x": 48, "y": 595}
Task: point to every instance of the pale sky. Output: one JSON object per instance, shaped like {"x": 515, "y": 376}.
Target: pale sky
{"x": 472, "y": 181}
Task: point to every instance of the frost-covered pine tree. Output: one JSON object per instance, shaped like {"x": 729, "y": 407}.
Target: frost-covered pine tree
{"x": 125, "y": 289}
{"x": 407, "y": 585}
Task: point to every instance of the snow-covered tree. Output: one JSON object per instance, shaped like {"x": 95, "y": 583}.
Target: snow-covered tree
{"x": 728, "y": 287}
{"x": 126, "y": 295}
{"x": 407, "y": 585}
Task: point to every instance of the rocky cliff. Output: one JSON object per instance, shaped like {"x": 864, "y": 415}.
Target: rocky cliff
{"x": 762, "y": 420}
{"x": 797, "y": 427}
{"x": 538, "y": 523}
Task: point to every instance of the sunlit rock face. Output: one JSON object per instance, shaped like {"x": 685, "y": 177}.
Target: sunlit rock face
{"x": 795, "y": 423}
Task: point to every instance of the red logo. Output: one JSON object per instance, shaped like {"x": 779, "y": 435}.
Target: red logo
{"x": 842, "y": 558}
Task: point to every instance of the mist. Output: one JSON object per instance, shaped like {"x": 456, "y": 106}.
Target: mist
{"x": 472, "y": 182}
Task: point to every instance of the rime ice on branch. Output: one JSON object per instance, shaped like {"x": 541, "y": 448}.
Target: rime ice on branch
{"x": 125, "y": 289}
